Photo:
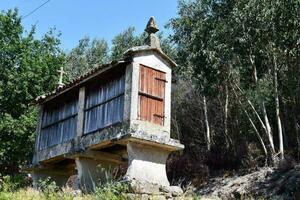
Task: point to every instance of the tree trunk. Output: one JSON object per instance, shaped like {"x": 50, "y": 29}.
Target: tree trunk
{"x": 206, "y": 123}
{"x": 266, "y": 125}
{"x": 297, "y": 131}
{"x": 257, "y": 133}
{"x": 277, "y": 107}
{"x": 253, "y": 108}
{"x": 226, "y": 110}
{"x": 254, "y": 128}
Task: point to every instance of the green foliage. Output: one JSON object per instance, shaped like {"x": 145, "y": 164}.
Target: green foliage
{"x": 14, "y": 188}
{"x": 124, "y": 41}
{"x": 111, "y": 191}
{"x": 228, "y": 52}
{"x": 85, "y": 56}
{"x": 48, "y": 190}
{"x": 28, "y": 68}
{"x": 13, "y": 183}
{"x": 90, "y": 53}
{"x": 6, "y": 184}
{"x": 48, "y": 187}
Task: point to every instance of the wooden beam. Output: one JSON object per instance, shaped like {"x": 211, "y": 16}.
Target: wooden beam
{"x": 100, "y": 155}
{"x": 101, "y": 145}
{"x": 54, "y": 169}
{"x": 52, "y": 160}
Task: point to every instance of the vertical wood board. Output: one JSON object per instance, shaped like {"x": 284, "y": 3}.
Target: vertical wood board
{"x": 151, "y": 95}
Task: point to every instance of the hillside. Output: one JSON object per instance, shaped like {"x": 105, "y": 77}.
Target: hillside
{"x": 265, "y": 183}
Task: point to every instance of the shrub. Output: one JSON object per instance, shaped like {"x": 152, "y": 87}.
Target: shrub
{"x": 112, "y": 191}
{"x": 12, "y": 183}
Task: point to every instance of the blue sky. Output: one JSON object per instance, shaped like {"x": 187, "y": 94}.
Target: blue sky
{"x": 95, "y": 18}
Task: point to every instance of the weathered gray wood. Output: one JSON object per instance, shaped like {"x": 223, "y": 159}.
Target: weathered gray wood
{"x": 80, "y": 119}
{"x": 104, "y": 105}
{"x": 100, "y": 155}
{"x": 39, "y": 125}
{"x": 58, "y": 124}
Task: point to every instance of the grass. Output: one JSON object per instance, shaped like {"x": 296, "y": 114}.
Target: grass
{"x": 16, "y": 189}
{"x": 31, "y": 194}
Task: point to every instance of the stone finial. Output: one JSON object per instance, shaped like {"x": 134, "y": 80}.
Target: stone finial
{"x": 151, "y": 28}
{"x": 61, "y": 72}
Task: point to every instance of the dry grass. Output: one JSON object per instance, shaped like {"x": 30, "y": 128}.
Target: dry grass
{"x": 32, "y": 194}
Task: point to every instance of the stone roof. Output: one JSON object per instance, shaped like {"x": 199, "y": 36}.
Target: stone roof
{"x": 146, "y": 48}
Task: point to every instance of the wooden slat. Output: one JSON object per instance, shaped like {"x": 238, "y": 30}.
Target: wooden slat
{"x": 58, "y": 123}
{"x": 151, "y": 95}
{"x": 104, "y": 105}
{"x": 100, "y": 155}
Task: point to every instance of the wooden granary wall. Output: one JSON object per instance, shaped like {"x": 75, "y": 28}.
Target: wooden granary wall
{"x": 59, "y": 122}
{"x": 103, "y": 107}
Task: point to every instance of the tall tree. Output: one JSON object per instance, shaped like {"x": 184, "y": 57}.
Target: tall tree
{"x": 124, "y": 41}
{"x": 243, "y": 53}
{"x": 28, "y": 68}
{"x": 91, "y": 52}
{"x": 88, "y": 53}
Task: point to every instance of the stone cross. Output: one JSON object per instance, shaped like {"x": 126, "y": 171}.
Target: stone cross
{"x": 60, "y": 81}
{"x": 151, "y": 28}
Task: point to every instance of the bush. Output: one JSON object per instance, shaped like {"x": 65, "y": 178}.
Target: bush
{"x": 111, "y": 191}
{"x": 12, "y": 183}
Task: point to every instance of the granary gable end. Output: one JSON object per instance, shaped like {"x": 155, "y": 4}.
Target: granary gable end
{"x": 116, "y": 115}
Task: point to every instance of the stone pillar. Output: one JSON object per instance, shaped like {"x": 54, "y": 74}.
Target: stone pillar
{"x": 147, "y": 164}
{"x": 127, "y": 92}
{"x": 42, "y": 175}
{"x": 134, "y": 99}
{"x": 80, "y": 119}
{"x": 93, "y": 172}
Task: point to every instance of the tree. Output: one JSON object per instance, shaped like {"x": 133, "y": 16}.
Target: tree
{"x": 124, "y": 41}
{"x": 244, "y": 54}
{"x": 88, "y": 53}
{"x": 28, "y": 68}
{"x": 91, "y": 52}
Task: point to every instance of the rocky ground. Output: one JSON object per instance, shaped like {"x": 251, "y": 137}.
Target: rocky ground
{"x": 265, "y": 183}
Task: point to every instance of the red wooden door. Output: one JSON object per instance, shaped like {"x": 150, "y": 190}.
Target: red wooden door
{"x": 151, "y": 95}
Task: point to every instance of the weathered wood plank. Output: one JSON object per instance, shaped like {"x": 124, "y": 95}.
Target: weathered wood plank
{"x": 151, "y": 95}
{"x": 104, "y": 105}
{"x": 100, "y": 155}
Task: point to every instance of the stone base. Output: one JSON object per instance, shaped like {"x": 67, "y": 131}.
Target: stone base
{"x": 38, "y": 176}
{"x": 132, "y": 196}
{"x": 147, "y": 164}
{"x": 84, "y": 173}
{"x": 146, "y": 189}
{"x": 146, "y": 170}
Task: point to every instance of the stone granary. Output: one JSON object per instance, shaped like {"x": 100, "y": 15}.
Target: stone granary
{"x": 118, "y": 113}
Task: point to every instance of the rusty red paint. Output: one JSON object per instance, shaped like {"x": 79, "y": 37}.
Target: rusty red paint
{"x": 151, "y": 95}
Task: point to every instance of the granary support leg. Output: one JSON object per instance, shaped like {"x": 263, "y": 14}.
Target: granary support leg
{"x": 147, "y": 164}
{"x": 93, "y": 172}
{"x": 42, "y": 175}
